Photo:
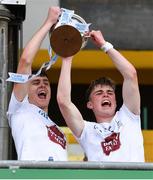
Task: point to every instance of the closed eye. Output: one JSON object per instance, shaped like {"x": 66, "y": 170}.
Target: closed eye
{"x": 98, "y": 92}
{"x": 35, "y": 82}
{"x": 46, "y": 82}
{"x": 110, "y": 92}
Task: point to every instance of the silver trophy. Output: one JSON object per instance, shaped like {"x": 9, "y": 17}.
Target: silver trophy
{"x": 69, "y": 35}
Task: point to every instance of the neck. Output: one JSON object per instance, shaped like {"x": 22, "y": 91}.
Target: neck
{"x": 44, "y": 109}
{"x": 101, "y": 119}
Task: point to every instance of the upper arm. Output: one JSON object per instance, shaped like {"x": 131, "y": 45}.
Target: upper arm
{"x": 131, "y": 94}
{"x": 73, "y": 118}
{"x": 20, "y": 90}
{"x": 130, "y": 91}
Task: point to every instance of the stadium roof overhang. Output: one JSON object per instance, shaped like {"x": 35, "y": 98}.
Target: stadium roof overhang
{"x": 88, "y": 64}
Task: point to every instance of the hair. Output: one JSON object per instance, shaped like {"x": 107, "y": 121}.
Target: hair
{"x": 42, "y": 74}
{"x": 100, "y": 81}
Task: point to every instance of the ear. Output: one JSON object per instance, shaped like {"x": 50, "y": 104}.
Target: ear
{"x": 89, "y": 105}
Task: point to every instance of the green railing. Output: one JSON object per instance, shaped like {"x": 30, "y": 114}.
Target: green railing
{"x": 74, "y": 170}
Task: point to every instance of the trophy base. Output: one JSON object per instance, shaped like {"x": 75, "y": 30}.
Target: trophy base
{"x": 65, "y": 40}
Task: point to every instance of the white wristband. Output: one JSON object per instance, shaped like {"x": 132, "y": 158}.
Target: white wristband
{"x": 106, "y": 47}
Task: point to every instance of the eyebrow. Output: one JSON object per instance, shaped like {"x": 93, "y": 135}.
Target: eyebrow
{"x": 35, "y": 80}
{"x": 109, "y": 90}
{"x": 45, "y": 80}
{"x": 38, "y": 80}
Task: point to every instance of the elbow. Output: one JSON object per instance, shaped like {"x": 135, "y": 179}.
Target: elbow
{"x": 26, "y": 60}
{"x": 61, "y": 100}
{"x": 132, "y": 74}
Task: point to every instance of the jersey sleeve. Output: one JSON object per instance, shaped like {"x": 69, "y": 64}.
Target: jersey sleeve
{"x": 14, "y": 105}
{"x": 124, "y": 111}
{"x": 83, "y": 139}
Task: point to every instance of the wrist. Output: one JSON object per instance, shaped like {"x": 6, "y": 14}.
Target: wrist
{"x": 106, "y": 47}
{"x": 48, "y": 23}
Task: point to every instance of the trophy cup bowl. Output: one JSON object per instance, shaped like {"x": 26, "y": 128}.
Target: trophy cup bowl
{"x": 66, "y": 40}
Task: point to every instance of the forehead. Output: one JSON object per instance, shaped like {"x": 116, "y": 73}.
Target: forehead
{"x": 39, "y": 78}
{"x": 102, "y": 87}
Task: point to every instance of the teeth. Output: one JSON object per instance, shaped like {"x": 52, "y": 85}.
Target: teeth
{"x": 42, "y": 92}
{"x": 106, "y": 102}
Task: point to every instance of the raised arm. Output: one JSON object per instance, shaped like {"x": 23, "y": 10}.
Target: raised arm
{"x": 30, "y": 50}
{"x": 69, "y": 111}
{"x": 130, "y": 90}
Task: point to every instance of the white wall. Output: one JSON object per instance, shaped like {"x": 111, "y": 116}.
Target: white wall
{"x": 36, "y": 12}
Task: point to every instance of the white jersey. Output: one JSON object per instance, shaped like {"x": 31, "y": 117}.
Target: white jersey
{"x": 36, "y": 137}
{"x": 118, "y": 141}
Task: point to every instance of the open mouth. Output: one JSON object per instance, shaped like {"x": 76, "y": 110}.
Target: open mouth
{"x": 42, "y": 95}
{"x": 106, "y": 103}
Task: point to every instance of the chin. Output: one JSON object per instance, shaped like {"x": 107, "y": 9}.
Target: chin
{"x": 108, "y": 112}
{"x": 42, "y": 106}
